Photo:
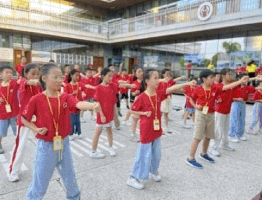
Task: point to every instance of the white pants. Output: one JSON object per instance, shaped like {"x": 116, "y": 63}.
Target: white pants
{"x": 221, "y": 130}
{"x": 18, "y": 153}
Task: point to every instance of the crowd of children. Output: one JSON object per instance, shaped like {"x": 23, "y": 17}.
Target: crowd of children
{"x": 52, "y": 105}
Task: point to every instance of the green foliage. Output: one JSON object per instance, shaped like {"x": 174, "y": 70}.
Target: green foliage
{"x": 206, "y": 62}
{"x": 231, "y": 47}
{"x": 214, "y": 59}
{"x": 182, "y": 62}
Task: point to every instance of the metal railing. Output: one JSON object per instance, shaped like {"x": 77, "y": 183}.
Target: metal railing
{"x": 181, "y": 13}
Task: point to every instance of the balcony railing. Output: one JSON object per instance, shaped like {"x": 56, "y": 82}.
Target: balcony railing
{"x": 184, "y": 13}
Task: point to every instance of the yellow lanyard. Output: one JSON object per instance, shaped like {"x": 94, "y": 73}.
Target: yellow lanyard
{"x": 207, "y": 97}
{"x": 52, "y": 112}
{"x": 7, "y": 93}
{"x": 154, "y": 107}
{"x": 73, "y": 88}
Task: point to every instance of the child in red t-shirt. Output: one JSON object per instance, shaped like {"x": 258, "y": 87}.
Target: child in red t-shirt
{"x": 75, "y": 89}
{"x": 9, "y": 106}
{"x": 89, "y": 91}
{"x": 67, "y": 70}
{"x": 189, "y": 109}
{"x": 257, "y": 97}
{"x": 147, "y": 107}
{"x": 105, "y": 95}
{"x": 124, "y": 91}
{"x": 29, "y": 86}
{"x": 203, "y": 99}
{"x": 52, "y": 128}
{"x": 134, "y": 92}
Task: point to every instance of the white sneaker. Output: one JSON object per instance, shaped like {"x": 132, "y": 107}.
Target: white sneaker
{"x": 13, "y": 177}
{"x": 96, "y": 154}
{"x": 156, "y": 177}
{"x": 213, "y": 151}
{"x": 112, "y": 151}
{"x": 186, "y": 126}
{"x": 82, "y": 120}
{"x": 71, "y": 137}
{"x": 135, "y": 183}
{"x": 134, "y": 138}
{"x": 243, "y": 138}
{"x": 227, "y": 147}
{"x": 251, "y": 131}
{"x": 80, "y": 136}
{"x": 138, "y": 131}
{"x": 233, "y": 139}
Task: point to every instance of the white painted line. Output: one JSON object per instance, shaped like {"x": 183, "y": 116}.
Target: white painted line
{"x": 100, "y": 145}
{"x": 24, "y": 167}
{"x": 2, "y": 158}
{"x": 80, "y": 147}
{"x": 74, "y": 151}
{"x": 115, "y": 142}
{"x": 87, "y": 144}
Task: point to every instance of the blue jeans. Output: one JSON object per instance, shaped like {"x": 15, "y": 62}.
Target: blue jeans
{"x": 4, "y": 124}
{"x": 46, "y": 160}
{"x": 256, "y": 115}
{"x": 75, "y": 123}
{"x": 237, "y": 119}
{"x": 147, "y": 159}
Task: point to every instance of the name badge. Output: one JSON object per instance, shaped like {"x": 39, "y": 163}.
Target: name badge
{"x": 8, "y": 108}
{"x": 205, "y": 110}
{"x": 58, "y": 143}
{"x": 156, "y": 125}
{"x": 33, "y": 118}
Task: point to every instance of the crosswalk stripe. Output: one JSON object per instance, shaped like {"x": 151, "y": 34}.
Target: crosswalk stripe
{"x": 74, "y": 151}
{"x": 115, "y": 142}
{"x": 100, "y": 145}
{"x": 2, "y": 158}
{"x": 88, "y": 145}
{"x": 80, "y": 147}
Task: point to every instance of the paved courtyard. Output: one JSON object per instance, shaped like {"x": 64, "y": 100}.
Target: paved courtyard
{"x": 235, "y": 175}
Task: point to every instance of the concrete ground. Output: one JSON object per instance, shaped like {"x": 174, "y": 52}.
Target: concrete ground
{"x": 235, "y": 175}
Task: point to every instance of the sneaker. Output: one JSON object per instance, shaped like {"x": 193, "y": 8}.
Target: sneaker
{"x": 186, "y": 126}
{"x": 156, "y": 177}
{"x": 82, "y": 120}
{"x": 206, "y": 158}
{"x": 138, "y": 131}
{"x": 112, "y": 151}
{"x": 71, "y": 137}
{"x": 127, "y": 107}
{"x": 1, "y": 149}
{"x": 213, "y": 151}
{"x": 13, "y": 177}
{"x": 251, "y": 131}
{"x": 134, "y": 138}
{"x": 135, "y": 183}
{"x": 233, "y": 139}
{"x": 119, "y": 113}
{"x": 168, "y": 130}
{"x": 80, "y": 136}
{"x": 118, "y": 128}
{"x": 227, "y": 147}
{"x": 194, "y": 163}
{"x": 243, "y": 138}
{"x": 96, "y": 154}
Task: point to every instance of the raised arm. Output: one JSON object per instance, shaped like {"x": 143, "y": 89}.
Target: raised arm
{"x": 179, "y": 86}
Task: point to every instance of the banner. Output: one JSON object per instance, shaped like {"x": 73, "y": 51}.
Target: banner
{"x": 6, "y": 54}
{"x": 41, "y": 56}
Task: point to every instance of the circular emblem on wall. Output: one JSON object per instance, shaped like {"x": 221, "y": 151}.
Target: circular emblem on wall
{"x": 204, "y": 11}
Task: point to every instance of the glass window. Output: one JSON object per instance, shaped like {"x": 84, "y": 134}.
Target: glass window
{"x": 17, "y": 40}
{"x": 221, "y": 8}
{"x": 36, "y": 43}
{"x": 6, "y": 40}
{"x": 46, "y": 45}
{"x": 26, "y": 42}
{"x": 249, "y": 5}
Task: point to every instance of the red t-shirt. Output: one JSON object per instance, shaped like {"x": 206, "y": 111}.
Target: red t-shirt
{"x": 69, "y": 88}
{"x": 131, "y": 78}
{"x": 188, "y": 67}
{"x": 243, "y": 69}
{"x": 123, "y": 78}
{"x": 66, "y": 79}
{"x": 207, "y": 97}
{"x": 188, "y": 91}
{"x": 243, "y": 92}
{"x": 227, "y": 97}
{"x": 12, "y": 100}
{"x": 259, "y": 71}
{"x": 89, "y": 92}
{"x": 19, "y": 68}
{"x": 25, "y": 94}
{"x": 96, "y": 80}
{"x": 137, "y": 83}
{"x": 142, "y": 103}
{"x": 106, "y": 96}
{"x": 165, "y": 85}
{"x": 257, "y": 95}
{"x": 39, "y": 107}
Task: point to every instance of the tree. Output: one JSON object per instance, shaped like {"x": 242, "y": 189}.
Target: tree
{"x": 231, "y": 47}
{"x": 182, "y": 61}
{"x": 214, "y": 59}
